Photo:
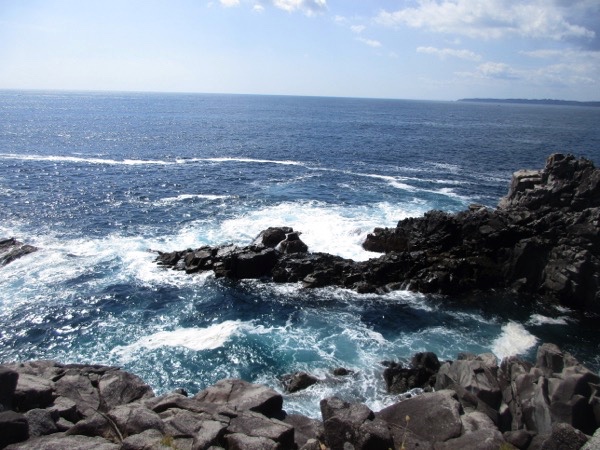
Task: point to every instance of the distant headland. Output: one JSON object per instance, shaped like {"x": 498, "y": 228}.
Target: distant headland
{"x": 531, "y": 102}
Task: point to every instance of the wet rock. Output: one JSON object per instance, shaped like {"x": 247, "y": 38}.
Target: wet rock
{"x": 272, "y": 236}
{"x": 292, "y": 244}
{"x": 11, "y": 249}
{"x": 298, "y": 381}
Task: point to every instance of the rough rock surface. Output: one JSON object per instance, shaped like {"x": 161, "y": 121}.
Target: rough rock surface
{"x": 543, "y": 239}
{"x": 478, "y": 404}
{"x": 11, "y": 249}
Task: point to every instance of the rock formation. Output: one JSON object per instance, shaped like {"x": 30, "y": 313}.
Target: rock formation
{"x": 543, "y": 239}
{"x": 11, "y": 249}
{"x": 476, "y": 403}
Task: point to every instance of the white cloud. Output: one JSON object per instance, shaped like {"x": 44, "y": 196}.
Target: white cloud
{"x": 443, "y": 53}
{"x": 370, "y": 42}
{"x": 358, "y": 28}
{"x": 491, "y": 19}
{"x": 309, "y": 7}
{"x": 229, "y": 3}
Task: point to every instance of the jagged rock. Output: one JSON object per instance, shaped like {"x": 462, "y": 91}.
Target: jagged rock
{"x": 420, "y": 374}
{"x": 41, "y": 422}
{"x": 202, "y": 428}
{"x": 60, "y": 442}
{"x": 272, "y": 236}
{"x": 118, "y": 387}
{"x": 292, "y": 244}
{"x": 242, "y": 442}
{"x": 33, "y": 392}
{"x": 562, "y": 436}
{"x": 298, "y": 381}
{"x": 519, "y": 438}
{"x": 240, "y": 395}
{"x": 11, "y": 249}
{"x": 13, "y": 428}
{"x": 484, "y": 439}
{"x": 305, "y": 428}
{"x": 256, "y": 425}
{"x": 8, "y": 385}
{"x": 355, "y": 424}
{"x": 433, "y": 417}
{"x": 473, "y": 375}
{"x": 78, "y": 389}
{"x": 593, "y": 443}
{"x": 147, "y": 440}
{"x": 134, "y": 419}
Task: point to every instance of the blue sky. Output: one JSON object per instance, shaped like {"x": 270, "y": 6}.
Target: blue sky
{"x": 411, "y": 49}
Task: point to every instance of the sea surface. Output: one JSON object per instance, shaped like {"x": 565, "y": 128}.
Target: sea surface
{"x": 97, "y": 180}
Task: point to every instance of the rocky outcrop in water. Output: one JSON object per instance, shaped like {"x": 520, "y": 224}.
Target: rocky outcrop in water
{"x": 543, "y": 239}
{"x": 11, "y": 249}
{"x": 476, "y": 404}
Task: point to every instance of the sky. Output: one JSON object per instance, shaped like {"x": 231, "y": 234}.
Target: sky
{"x": 407, "y": 49}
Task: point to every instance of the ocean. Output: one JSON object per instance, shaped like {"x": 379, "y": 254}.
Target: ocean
{"x": 99, "y": 180}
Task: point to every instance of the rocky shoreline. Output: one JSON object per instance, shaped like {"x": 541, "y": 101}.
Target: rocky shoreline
{"x": 543, "y": 239}
{"x": 470, "y": 403}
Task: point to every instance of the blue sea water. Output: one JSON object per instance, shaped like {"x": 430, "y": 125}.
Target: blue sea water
{"x": 96, "y": 180}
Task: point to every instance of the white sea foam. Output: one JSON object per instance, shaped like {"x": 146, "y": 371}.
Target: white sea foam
{"x": 209, "y": 338}
{"x": 332, "y": 229}
{"x": 248, "y": 160}
{"x": 76, "y": 159}
{"x": 514, "y": 340}
{"x": 538, "y": 319}
{"x": 184, "y": 197}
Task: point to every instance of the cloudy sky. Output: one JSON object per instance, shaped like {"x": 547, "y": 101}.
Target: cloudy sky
{"x": 411, "y": 49}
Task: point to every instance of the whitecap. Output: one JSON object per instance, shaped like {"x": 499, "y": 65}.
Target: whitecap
{"x": 184, "y": 197}
{"x": 198, "y": 339}
{"x": 77, "y": 159}
{"x": 538, "y": 319}
{"x": 513, "y": 340}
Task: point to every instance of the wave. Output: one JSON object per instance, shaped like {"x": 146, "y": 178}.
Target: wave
{"x": 196, "y": 339}
{"x": 513, "y": 340}
{"x": 538, "y": 319}
{"x": 77, "y": 159}
{"x": 185, "y": 197}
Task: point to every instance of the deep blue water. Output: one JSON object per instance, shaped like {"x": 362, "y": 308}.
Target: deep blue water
{"x": 97, "y": 179}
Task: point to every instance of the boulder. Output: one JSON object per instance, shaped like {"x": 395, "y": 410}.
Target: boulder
{"x": 13, "y": 428}
{"x": 41, "y": 422}
{"x": 33, "y": 392}
{"x": 11, "y": 249}
{"x": 298, "y": 381}
{"x": 305, "y": 428}
{"x": 272, "y": 236}
{"x": 240, "y": 395}
{"x": 562, "y": 436}
{"x": 118, "y": 387}
{"x": 433, "y": 417}
{"x": 355, "y": 424}
{"x": 8, "y": 385}
{"x": 239, "y": 441}
{"x": 61, "y": 442}
{"x": 593, "y": 443}
{"x": 254, "y": 424}
{"x": 483, "y": 439}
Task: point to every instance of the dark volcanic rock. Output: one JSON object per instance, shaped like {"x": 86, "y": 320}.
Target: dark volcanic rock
{"x": 420, "y": 374}
{"x": 298, "y": 381}
{"x": 11, "y": 249}
{"x": 543, "y": 239}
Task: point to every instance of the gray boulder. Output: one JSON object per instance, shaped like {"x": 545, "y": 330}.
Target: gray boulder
{"x": 239, "y": 441}
{"x": 254, "y": 424}
{"x": 41, "y": 422}
{"x": 433, "y": 417}
{"x": 61, "y": 442}
{"x": 13, "y": 428}
{"x": 239, "y": 395}
{"x": 298, "y": 381}
{"x": 8, "y": 385}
